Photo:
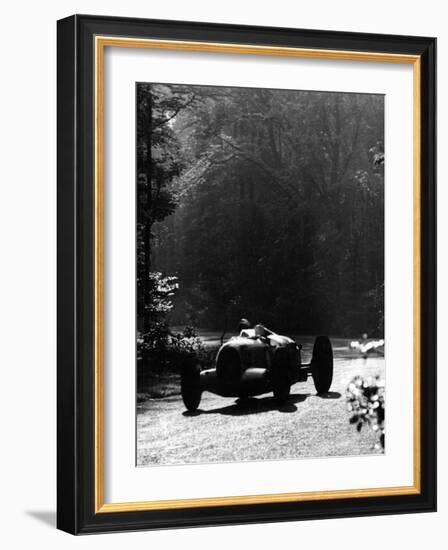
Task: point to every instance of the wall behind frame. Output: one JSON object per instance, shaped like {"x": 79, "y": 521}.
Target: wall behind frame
{"x": 27, "y": 277}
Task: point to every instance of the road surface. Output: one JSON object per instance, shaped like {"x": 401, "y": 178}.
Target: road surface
{"x": 225, "y": 430}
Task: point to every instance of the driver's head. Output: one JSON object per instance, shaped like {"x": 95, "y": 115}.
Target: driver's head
{"x": 243, "y": 324}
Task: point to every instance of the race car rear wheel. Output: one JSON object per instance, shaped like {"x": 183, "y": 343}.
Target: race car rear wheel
{"x": 281, "y": 383}
{"x": 322, "y": 364}
{"x": 190, "y": 384}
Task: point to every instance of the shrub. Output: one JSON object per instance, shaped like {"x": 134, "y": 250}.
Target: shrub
{"x": 166, "y": 350}
{"x": 366, "y": 402}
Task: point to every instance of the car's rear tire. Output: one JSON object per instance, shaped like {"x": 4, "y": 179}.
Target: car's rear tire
{"x": 190, "y": 384}
{"x": 280, "y": 379}
{"x": 322, "y": 364}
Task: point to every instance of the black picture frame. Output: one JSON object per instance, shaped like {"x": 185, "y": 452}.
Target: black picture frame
{"x": 76, "y": 510}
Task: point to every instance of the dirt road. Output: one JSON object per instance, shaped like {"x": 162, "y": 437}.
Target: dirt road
{"x": 226, "y": 430}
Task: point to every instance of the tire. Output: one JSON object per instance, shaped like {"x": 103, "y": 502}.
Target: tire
{"x": 190, "y": 384}
{"x": 322, "y": 364}
{"x": 228, "y": 367}
{"x": 281, "y": 383}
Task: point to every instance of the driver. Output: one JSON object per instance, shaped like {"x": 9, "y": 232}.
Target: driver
{"x": 244, "y": 324}
{"x": 258, "y": 331}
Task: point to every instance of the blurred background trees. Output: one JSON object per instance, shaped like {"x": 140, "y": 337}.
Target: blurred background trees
{"x": 267, "y": 204}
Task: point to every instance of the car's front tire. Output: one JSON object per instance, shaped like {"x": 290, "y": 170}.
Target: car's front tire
{"x": 190, "y": 384}
{"x": 281, "y": 383}
{"x": 322, "y": 364}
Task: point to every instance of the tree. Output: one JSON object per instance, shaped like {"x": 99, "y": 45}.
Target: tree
{"x": 279, "y": 213}
{"x": 159, "y": 161}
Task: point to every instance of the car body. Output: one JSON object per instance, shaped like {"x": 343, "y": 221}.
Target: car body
{"x": 255, "y": 362}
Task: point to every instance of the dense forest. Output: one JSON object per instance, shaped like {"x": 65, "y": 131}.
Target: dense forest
{"x": 260, "y": 203}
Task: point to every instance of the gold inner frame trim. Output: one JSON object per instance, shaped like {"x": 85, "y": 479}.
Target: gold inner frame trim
{"x": 101, "y": 42}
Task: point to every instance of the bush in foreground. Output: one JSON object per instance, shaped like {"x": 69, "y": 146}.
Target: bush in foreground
{"x": 366, "y": 402}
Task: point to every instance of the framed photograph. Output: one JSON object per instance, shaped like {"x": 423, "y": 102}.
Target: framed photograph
{"x": 246, "y": 274}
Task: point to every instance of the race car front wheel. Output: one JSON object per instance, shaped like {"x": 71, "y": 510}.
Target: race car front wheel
{"x": 322, "y": 364}
{"x": 281, "y": 383}
{"x": 190, "y": 384}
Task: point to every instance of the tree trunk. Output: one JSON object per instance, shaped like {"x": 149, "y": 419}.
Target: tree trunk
{"x": 147, "y": 220}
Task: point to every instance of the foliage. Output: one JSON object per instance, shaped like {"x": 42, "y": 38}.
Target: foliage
{"x": 162, "y": 290}
{"x": 159, "y": 162}
{"x": 279, "y": 208}
{"x": 188, "y": 342}
{"x": 166, "y": 350}
{"x": 161, "y": 347}
{"x": 366, "y": 402}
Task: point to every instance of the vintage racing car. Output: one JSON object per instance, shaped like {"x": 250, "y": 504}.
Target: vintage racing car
{"x": 255, "y": 362}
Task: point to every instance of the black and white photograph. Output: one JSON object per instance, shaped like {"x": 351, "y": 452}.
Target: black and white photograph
{"x": 260, "y": 274}
{"x": 220, "y": 256}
